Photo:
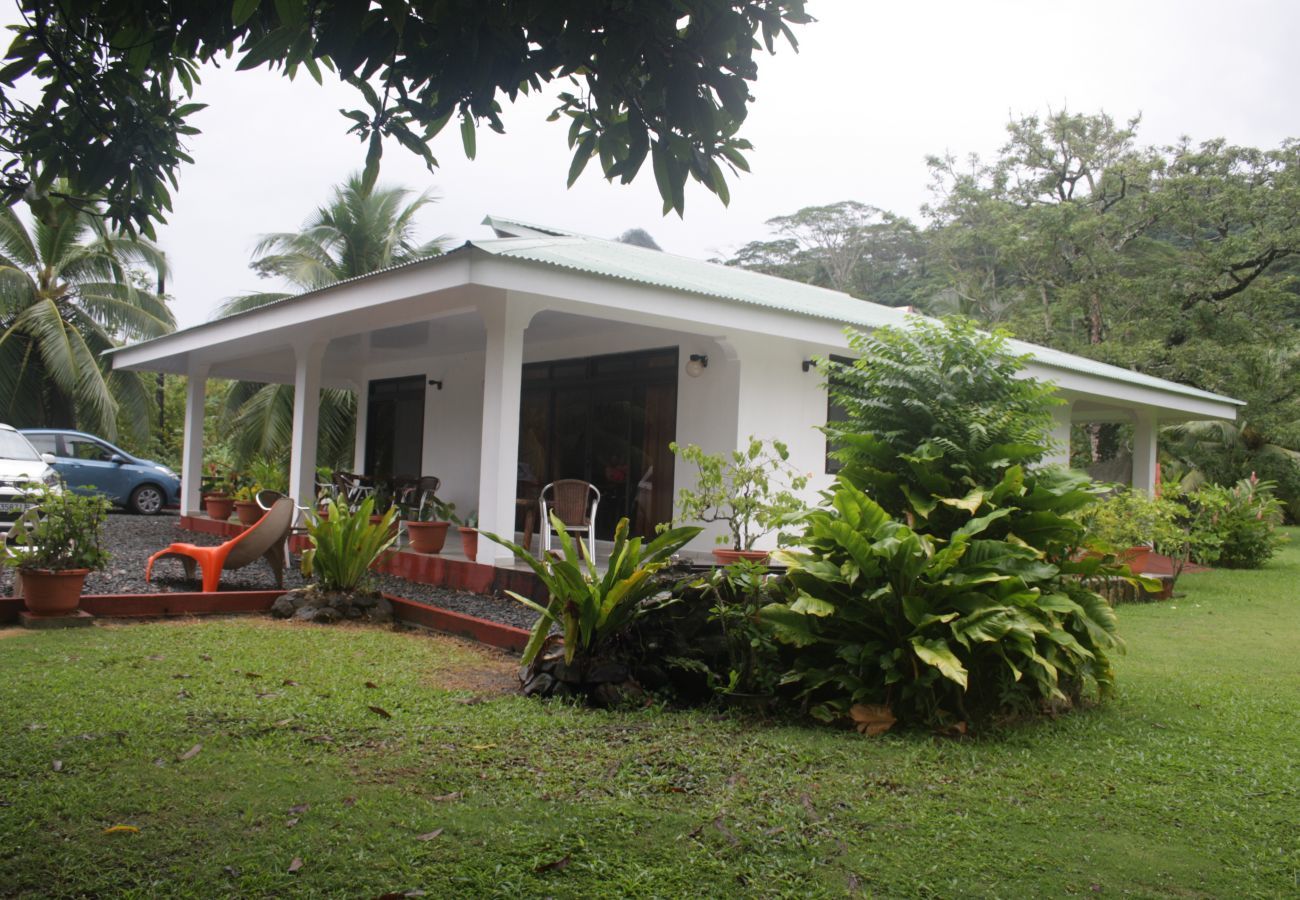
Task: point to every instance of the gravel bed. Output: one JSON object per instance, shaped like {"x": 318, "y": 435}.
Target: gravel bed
{"x": 132, "y": 539}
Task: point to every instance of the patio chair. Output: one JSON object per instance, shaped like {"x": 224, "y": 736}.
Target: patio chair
{"x": 426, "y": 491}
{"x": 352, "y": 488}
{"x": 265, "y": 539}
{"x": 569, "y": 498}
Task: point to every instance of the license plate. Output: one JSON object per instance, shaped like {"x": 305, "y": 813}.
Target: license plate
{"x": 10, "y": 506}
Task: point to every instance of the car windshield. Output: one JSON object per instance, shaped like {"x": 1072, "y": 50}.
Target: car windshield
{"x": 15, "y": 446}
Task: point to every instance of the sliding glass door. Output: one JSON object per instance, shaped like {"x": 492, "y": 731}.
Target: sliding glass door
{"x": 607, "y": 420}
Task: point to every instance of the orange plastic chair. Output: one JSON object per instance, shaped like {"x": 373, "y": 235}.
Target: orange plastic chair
{"x": 265, "y": 539}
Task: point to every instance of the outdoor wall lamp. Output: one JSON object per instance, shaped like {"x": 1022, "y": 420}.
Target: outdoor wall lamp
{"x": 697, "y": 364}
{"x": 807, "y": 365}
{"x": 436, "y": 383}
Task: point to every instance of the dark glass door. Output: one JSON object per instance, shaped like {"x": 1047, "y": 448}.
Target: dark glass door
{"x": 395, "y": 427}
{"x": 607, "y": 420}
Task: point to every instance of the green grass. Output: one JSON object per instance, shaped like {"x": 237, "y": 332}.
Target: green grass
{"x": 1184, "y": 785}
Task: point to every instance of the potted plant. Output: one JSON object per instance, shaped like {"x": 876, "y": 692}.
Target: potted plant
{"x": 751, "y": 490}
{"x": 58, "y": 548}
{"x": 246, "y": 507}
{"x": 469, "y": 535}
{"x": 218, "y": 501}
{"x": 1129, "y": 524}
{"x": 427, "y": 525}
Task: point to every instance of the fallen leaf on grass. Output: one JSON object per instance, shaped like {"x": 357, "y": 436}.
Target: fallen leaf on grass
{"x": 349, "y": 801}
{"x": 481, "y": 746}
{"x": 555, "y": 865}
{"x": 262, "y": 695}
{"x": 773, "y": 832}
{"x": 160, "y": 762}
{"x": 252, "y": 675}
{"x": 872, "y": 719}
{"x": 371, "y": 684}
{"x": 320, "y": 739}
{"x": 180, "y": 675}
{"x": 295, "y": 865}
{"x": 156, "y": 657}
{"x": 205, "y": 657}
{"x": 57, "y": 765}
{"x": 955, "y": 730}
{"x": 447, "y": 798}
{"x": 121, "y": 829}
{"x": 429, "y": 835}
{"x": 190, "y": 753}
{"x": 299, "y": 809}
{"x": 855, "y": 886}
{"x": 289, "y": 682}
{"x": 380, "y": 711}
{"x": 290, "y": 823}
{"x": 283, "y": 722}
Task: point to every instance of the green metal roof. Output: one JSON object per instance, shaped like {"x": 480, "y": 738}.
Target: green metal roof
{"x": 628, "y": 262}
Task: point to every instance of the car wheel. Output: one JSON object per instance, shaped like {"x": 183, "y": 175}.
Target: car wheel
{"x": 147, "y": 500}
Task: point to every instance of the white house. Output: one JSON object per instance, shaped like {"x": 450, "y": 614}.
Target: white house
{"x": 552, "y": 354}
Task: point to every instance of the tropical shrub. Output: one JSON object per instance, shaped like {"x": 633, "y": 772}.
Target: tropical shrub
{"x": 346, "y": 544}
{"x": 750, "y": 490}
{"x": 935, "y": 411}
{"x": 1245, "y": 517}
{"x": 589, "y": 607}
{"x": 736, "y": 595}
{"x": 940, "y": 629}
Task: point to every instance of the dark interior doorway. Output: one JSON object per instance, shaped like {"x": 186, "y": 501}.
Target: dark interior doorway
{"x": 395, "y": 427}
{"x": 608, "y": 420}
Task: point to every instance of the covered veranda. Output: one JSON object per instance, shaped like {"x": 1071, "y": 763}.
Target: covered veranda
{"x": 519, "y": 357}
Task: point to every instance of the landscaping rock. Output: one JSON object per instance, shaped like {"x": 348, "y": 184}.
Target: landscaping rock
{"x": 325, "y": 615}
{"x": 283, "y": 607}
{"x": 382, "y": 611}
{"x": 607, "y": 672}
{"x": 305, "y": 614}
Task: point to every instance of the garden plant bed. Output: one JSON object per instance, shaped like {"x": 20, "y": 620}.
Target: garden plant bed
{"x": 132, "y": 539}
{"x": 237, "y": 746}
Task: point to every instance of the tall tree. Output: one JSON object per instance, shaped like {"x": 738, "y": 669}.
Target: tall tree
{"x": 361, "y": 230}
{"x": 846, "y": 246}
{"x": 664, "y": 79}
{"x": 68, "y": 292}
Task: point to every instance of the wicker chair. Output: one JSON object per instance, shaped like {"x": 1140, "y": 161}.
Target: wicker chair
{"x": 426, "y": 491}
{"x": 570, "y": 499}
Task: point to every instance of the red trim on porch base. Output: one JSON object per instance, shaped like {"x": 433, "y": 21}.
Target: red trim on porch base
{"x": 494, "y": 634}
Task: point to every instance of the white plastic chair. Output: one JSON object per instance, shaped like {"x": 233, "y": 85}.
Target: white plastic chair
{"x": 569, "y": 498}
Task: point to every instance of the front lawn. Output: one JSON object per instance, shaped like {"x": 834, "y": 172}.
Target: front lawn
{"x": 387, "y": 762}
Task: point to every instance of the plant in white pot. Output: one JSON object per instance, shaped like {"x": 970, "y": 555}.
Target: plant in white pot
{"x": 752, "y": 491}
{"x": 55, "y": 546}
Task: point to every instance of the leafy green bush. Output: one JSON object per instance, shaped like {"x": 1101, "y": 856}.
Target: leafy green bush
{"x": 946, "y": 628}
{"x": 935, "y": 410}
{"x": 589, "y": 607}
{"x": 944, "y": 580}
{"x": 737, "y": 595}
{"x": 1245, "y": 517}
{"x": 346, "y": 544}
{"x": 66, "y": 533}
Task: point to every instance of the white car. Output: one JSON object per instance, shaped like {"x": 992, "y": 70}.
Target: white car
{"x": 20, "y": 466}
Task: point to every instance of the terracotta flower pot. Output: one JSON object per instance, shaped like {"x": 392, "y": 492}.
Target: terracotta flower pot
{"x": 1136, "y": 558}
{"x": 248, "y": 511}
{"x": 220, "y": 507}
{"x": 53, "y": 593}
{"x": 469, "y": 542}
{"x": 427, "y": 537}
{"x": 727, "y": 557}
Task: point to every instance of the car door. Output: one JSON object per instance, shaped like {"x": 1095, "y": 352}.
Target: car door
{"x": 89, "y": 466}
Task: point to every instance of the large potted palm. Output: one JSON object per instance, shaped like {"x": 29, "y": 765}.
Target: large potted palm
{"x": 56, "y": 545}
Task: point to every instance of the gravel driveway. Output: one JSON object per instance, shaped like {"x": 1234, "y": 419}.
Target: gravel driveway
{"x": 132, "y": 539}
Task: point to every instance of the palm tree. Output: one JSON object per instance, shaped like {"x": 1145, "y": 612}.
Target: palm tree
{"x": 358, "y": 232}
{"x": 70, "y": 290}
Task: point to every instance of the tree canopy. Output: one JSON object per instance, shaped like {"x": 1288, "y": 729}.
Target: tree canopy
{"x": 666, "y": 80}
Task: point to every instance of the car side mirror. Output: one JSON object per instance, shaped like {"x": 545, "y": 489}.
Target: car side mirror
{"x": 49, "y": 459}
{"x": 117, "y": 459}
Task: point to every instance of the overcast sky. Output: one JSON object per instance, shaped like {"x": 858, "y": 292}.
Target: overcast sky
{"x": 875, "y": 88}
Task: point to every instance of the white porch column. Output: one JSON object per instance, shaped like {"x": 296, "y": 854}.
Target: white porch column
{"x": 359, "y": 460}
{"x": 499, "y": 466}
{"x": 1145, "y": 467}
{"x": 192, "y": 448}
{"x": 1059, "y": 454}
{"x": 306, "y": 419}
